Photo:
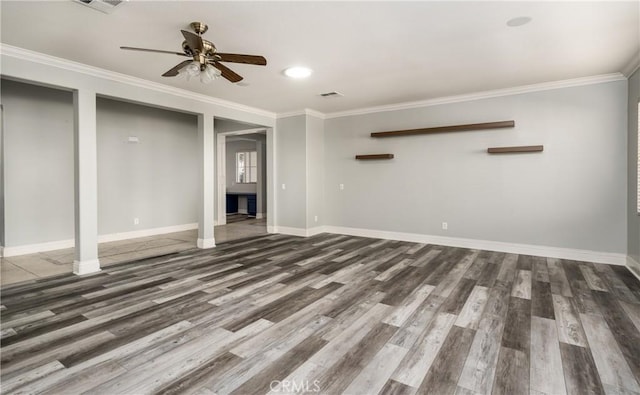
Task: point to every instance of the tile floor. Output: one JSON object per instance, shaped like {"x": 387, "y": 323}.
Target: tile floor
{"x": 44, "y": 264}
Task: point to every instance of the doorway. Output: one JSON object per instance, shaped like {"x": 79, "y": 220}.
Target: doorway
{"x": 241, "y": 184}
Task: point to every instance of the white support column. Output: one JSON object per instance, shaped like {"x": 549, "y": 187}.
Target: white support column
{"x": 272, "y": 182}
{"x": 86, "y": 183}
{"x": 221, "y": 170}
{"x": 259, "y": 180}
{"x": 206, "y": 147}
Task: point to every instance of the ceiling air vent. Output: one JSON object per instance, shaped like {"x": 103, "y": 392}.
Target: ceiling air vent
{"x": 331, "y": 94}
{"x": 105, "y": 6}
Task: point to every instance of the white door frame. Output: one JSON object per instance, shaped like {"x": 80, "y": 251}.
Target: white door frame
{"x": 221, "y": 172}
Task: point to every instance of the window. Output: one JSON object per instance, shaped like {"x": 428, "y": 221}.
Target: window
{"x": 246, "y": 167}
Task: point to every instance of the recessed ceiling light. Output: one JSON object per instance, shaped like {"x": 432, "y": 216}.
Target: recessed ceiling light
{"x": 519, "y": 21}
{"x": 298, "y": 72}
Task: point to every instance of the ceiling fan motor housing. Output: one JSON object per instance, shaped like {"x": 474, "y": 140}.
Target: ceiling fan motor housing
{"x": 208, "y": 48}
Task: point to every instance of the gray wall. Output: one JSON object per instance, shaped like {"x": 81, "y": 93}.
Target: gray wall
{"x": 38, "y": 164}
{"x": 291, "y": 171}
{"x": 2, "y": 243}
{"x": 633, "y": 227}
{"x": 573, "y": 195}
{"x": 315, "y": 171}
{"x": 155, "y": 180}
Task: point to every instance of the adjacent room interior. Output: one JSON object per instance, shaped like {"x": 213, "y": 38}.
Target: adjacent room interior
{"x": 320, "y": 197}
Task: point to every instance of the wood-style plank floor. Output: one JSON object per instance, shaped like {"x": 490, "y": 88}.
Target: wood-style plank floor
{"x": 327, "y": 314}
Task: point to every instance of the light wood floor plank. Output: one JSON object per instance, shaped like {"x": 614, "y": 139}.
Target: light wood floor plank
{"x": 568, "y": 322}
{"x": 546, "y": 362}
{"x": 612, "y": 367}
{"x": 416, "y": 364}
{"x": 522, "y": 286}
{"x": 479, "y": 369}
{"x": 375, "y": 375}
{"x": 472, "y": 311}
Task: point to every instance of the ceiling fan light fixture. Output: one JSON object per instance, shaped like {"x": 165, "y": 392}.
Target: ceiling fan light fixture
{"x": 298, "y": 72}
{"x": 190, "y": 70}
{"x": 209, "y": 74}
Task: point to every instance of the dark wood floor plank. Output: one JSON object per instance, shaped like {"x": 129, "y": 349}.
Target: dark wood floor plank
{"x": 558, "y": 278}
{"x": 446, "y": 368}
{"x": 580, "y": 372}
{"x": 395, "y": 388}
{"x": 489, "y": 274}
{"x": 339, "y": 376}
{"x": 192, "y": 380}
{"x": 623, "y": 329}
{"x": 282, "y": 367}
{"x": 541, "y": 300}
{"x": 512, "y": 374}
{"x": 539, "y": 269}
{"x": 454, "y": 303}
{"x": 525, "y": 262}
{"x": 628, "y": 279}
{"x": 517, "y": 328}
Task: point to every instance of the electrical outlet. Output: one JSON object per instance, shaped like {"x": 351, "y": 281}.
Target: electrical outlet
{"x": 342, "y": 187}
{"x": 445, "y": 226}
{"x": 284, "y": 186}
{"x": 315, "y": 218}
{"x": 136, "y": 221}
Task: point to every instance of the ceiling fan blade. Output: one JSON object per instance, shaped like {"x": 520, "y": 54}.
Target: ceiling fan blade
{"x": 174, "y": 71}
{"x": 194, "y": 41}
{"x": 227, "y": 72}
{"x": 237, "y": 58}
{"x": 153, "y": 50}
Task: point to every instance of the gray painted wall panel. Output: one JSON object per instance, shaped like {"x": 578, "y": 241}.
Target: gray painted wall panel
{"x": 573, "y": 195}
{"x": 38, "y": 149}
{"x": 315, "y": 171}
{"x": 155, "y": 180}
{"x": 291, "y": 171}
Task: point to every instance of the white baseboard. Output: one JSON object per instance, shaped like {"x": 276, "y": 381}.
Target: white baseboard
{"x": 260, "y": 215}
{"x": 634, "y": 266}
{"x": 146, "y": 232}
{"x": 86, "y": 267}
{"x": 272, "y": 229}
{"x": 526, "y": 249}
{"x": 242, "y": 211}
{"x": 40, "y": 247}
{"x": 316, "y": 231}
{"x": 62, "y": 244}
{"x": 206, "y": 243}
{"x": 285, "y": 230}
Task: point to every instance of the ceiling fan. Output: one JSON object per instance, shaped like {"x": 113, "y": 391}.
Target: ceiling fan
{"x": 205, "y": 58}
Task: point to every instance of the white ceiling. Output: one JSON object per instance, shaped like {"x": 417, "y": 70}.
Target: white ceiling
{"x": 375, "y": 53}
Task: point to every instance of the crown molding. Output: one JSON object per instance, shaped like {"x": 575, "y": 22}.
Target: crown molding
{"x": 48, "y": 60}
{"x": 315, "y": 113}
{"x": 306, "y": 111}
{"x": 597, "y": 79}
{"x": 632, "y": 66}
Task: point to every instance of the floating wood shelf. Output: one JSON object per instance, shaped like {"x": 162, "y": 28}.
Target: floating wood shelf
{"x": 375, "y": 156}
{"x": 509, "y": 150}
{"x": 443, "y": 129}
